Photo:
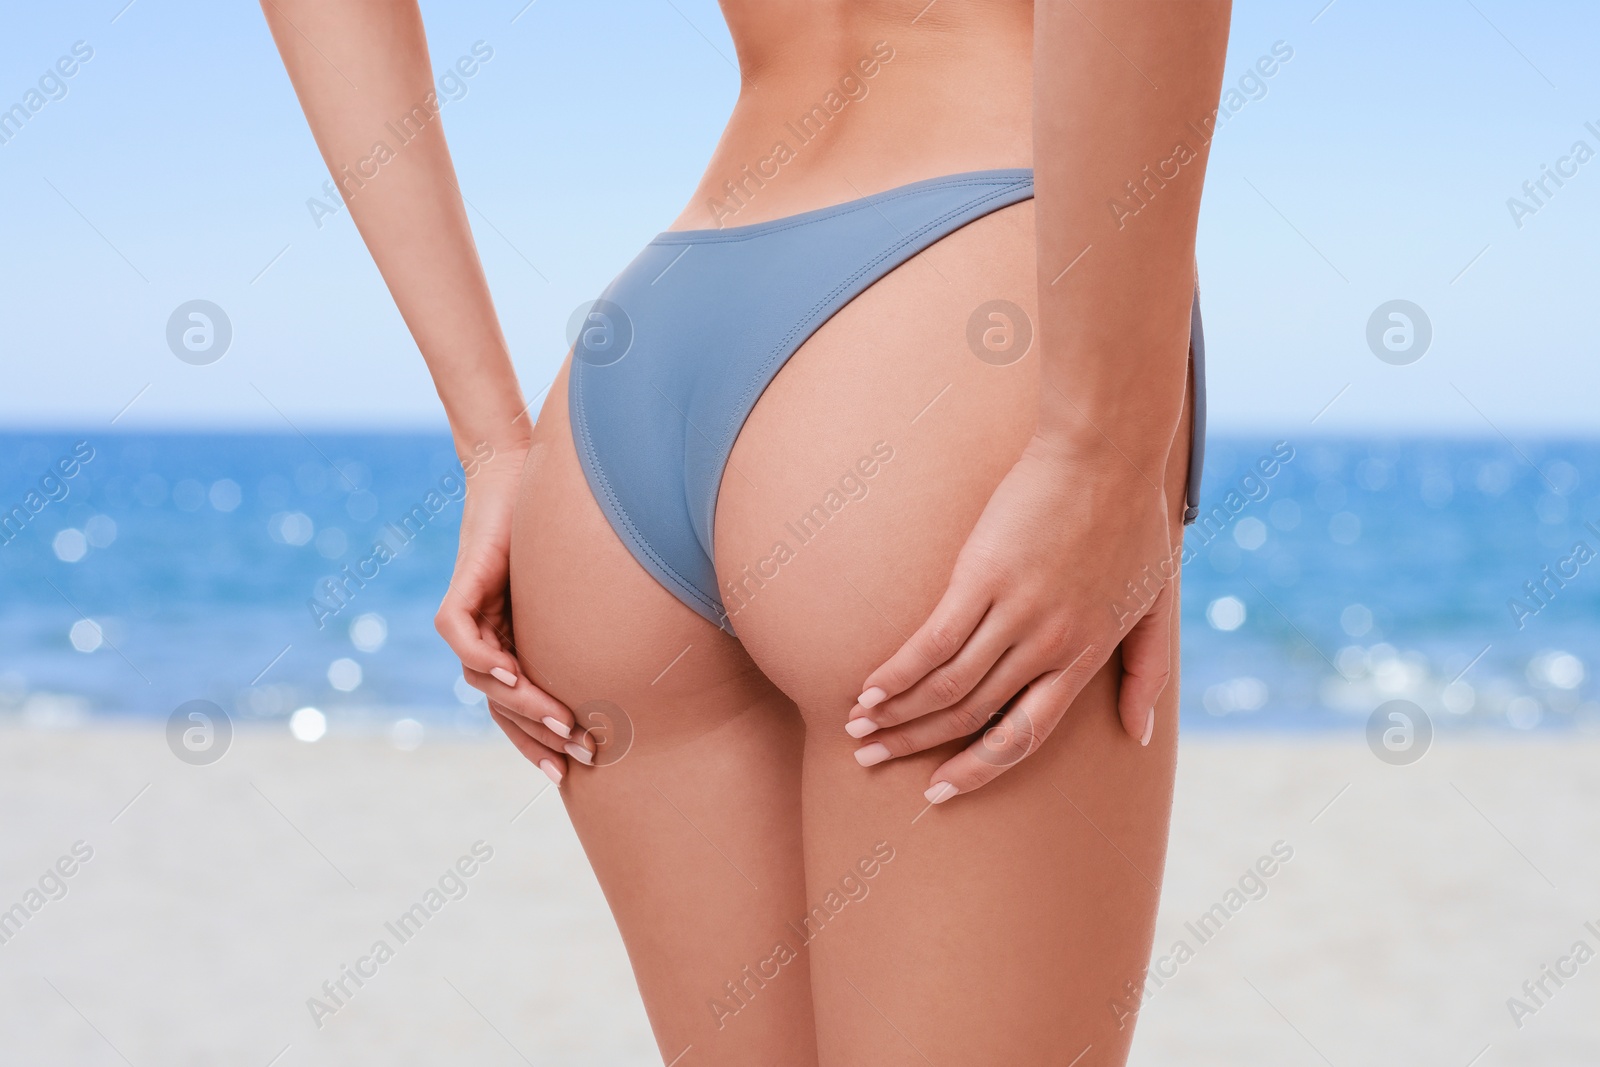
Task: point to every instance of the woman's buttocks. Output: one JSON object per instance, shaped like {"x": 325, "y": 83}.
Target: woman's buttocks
{"x": 847, "y": 98}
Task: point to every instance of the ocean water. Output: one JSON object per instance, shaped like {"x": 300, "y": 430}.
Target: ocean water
{"x": 1327, "y": 577}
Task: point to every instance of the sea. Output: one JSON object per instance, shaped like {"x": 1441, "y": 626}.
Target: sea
{"x": 1326, "y": 579}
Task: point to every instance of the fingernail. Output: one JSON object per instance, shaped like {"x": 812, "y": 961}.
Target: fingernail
{"x": 557, "y": 727}
{"x": 1149, "y": 727}
{"x": 550, "y": 771}
{"x": 939, "y": 792}
{"x": 872, "y": 697}
{"x": 860, "y": 727}
{"x": 504, "y": 675}
{"x": 872, "y": 755}
{"x": 579, "y": 753}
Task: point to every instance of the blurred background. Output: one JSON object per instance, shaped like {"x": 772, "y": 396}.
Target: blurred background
{"x": 212, "y": 407}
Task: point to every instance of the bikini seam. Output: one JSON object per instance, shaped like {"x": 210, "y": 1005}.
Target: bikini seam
{"x": 775, "y": 354}
{"x": 694, "y": 237}
{"x": 730, "y": 432}
{"x": 632, "y": 530}
{"x": 617, "y": 507}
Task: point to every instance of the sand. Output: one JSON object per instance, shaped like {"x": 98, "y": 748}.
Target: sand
{"x": 218, "y": 899}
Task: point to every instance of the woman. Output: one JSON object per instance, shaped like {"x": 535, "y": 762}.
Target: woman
{"x": 850, "y": 521}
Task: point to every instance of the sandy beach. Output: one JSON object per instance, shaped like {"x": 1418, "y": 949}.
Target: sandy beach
{"x": 206, "y": 907}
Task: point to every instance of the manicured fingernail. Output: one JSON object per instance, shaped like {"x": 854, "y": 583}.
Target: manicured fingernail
{"x": 550, "y": 771}
{"x": 872, "y": 697}
{"x": 939, "y": 792}
{"x": 860, "y": 727}
{"x": 579, "y": 753}
{"x": 872, "y": 755}
{"x": 504, "y": 675}
{"x": 557, "y": 727}
{"x": 1149, "y": 727}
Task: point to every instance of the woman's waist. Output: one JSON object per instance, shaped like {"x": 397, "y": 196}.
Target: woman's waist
{"x": 887, "y": 119}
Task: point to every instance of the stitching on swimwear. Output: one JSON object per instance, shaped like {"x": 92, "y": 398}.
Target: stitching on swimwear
{"x": 736, "y": 419}
{"x": 632, "y": 531}
{"x": 822, "y": 303}
{"x": 730, "y": 431}
{"x": 630, "y": 528}
{"x": 694, "y": 237}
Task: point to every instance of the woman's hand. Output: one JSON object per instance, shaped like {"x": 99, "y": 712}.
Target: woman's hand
{"x": 414, "y": 223}
{"x": 1071, "y": 557}
{"x": 475, "y": 620}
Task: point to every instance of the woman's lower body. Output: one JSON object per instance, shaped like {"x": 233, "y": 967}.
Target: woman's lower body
{"x": 780, "y": 903}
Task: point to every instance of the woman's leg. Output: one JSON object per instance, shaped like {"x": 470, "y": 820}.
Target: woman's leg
{"x": 1007, "y": 922}
{"x": 694, "y": 833}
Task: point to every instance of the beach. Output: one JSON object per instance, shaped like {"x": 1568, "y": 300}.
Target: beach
{"x": 371, "y": 875}
{"x": 252, "y": 810}
{"x": 1404, "y": 907}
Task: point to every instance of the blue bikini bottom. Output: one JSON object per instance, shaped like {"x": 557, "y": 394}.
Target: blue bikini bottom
{"x": 672, "y": 358}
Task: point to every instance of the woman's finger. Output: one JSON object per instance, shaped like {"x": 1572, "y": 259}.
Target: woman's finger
{"x": 1017, "y": 735}
{"x": 553, "y": 764}
{"x": 946, "y": 685}
{"x": 1146, "y": 666}
{"x": 582, "y": 747}
{"x": 541, "y": 715}
{"x": 529, "y": 703}
{"x": 475, "y": 647}
{"x": 943, "y": 687}
{"x": 970, "y": 716}
{"x": 953, "y": 620}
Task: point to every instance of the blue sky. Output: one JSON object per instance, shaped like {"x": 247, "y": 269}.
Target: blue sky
{"x": 1376, "y": 166}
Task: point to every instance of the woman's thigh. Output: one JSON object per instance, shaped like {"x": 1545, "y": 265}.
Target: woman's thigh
{"x": 691, "y": 819}
{"x": 1000, "y": 927}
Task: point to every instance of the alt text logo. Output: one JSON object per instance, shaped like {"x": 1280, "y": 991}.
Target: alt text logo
{"x": 199, "y": 732}
{"x": 1399, "y": 332}
{"x": 999, "y": 332}
{"x": 199, "y": 332}
{"x": 1399, "y": 732}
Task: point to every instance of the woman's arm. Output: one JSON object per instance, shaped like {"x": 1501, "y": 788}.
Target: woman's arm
{"x": 1123, "y": 94}
{"x": 361, "y": 71}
